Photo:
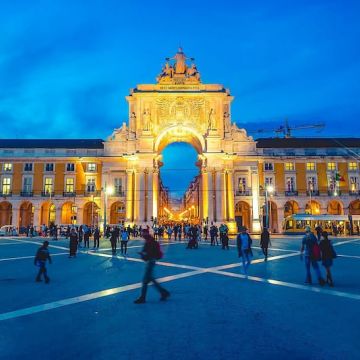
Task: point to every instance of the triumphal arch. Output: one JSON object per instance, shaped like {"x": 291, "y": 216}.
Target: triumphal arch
{"x": 179, "y": 107}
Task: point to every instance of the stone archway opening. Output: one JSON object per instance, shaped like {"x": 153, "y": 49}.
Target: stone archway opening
{"x": 354, "y": 207}
{"x": 68, "y": 213}
{"x": 5, "y": 213}
{"x": 91, "y": 213}
{"x": 179, "y": 175}
{"x": 335, "y": 207}
{"x": 26, "y": 217}
{"x": 47, "y": 213}
{"x": 313, "y": 207}
{"x": 242, "y": 214}
{"x": 291, "y": 207}
{"x": 117, "y": 213}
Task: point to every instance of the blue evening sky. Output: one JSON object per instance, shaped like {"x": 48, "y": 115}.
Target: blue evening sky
{"x": 65, "y": 66}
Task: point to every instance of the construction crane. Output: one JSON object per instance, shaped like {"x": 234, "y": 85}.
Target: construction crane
{"x": 286, "y": 129}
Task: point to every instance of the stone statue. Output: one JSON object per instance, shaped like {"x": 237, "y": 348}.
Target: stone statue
{"x": 166, "y": 72}
{"x": 180, "y": 61}
{"x": 212, "y": 122}
{"x": 193, "y": 72}
{"x": 147, "y": 119}
{"x": 226, "y": 121}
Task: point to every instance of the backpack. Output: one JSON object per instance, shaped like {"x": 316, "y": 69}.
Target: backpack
{"x": 315, "y": 252}
{"x": 158, "y": 254}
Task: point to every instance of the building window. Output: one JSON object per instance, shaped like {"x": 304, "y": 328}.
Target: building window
{"x": 331, "y": 183}
{"x": 8, "y": 167}
{"x": 352, "y": 166}
{"x": 354, "y": 183}
{"x": 269, "y": 181}
{"x": 48, "y": 185}
{"x": 310, "y": 166}
{"x": 69, "y": 185}
{"x": 49, "y": 167}
{"x": 91, "y": 167}
{"x": 27, "y": 186}
{"x": 290, "y": 183}
{"x": 289, "y": 166}
{"x": 6, "y": 186}
{"x": 268, "y": 166}
{"x": 331, "y": 166}
{"x": 70, "y": 167}
{"x": 90, "y": 185}
{"x": 28, "y": 167}
{"x": 242, "y": 184}
{"x": 311, "y": 183}
{"x": 118, "y": 186}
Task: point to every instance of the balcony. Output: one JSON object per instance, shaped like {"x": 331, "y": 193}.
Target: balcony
{"x": 26, "y": 193}
{"x": 354, "y": 192}
{"x": 95, "y": 193}
{"x": 69, "y": 194}
{"x": 334, "y": 193}
{"x": 243, "y": 193}
{"x": 6, "y": 194}
{"x": 313, "y": 193}
{"x": 291, "y": 193}
{"x": 47, "y": 193}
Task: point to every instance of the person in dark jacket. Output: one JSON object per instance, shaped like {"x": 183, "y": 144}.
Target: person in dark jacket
{"x": 265, "y": 242}
{"x": 327, "y": 256}
{"x": 113, "y": 240}
{"x": 243, "y": 242}
{"x": 42, "y": 255}
{"x": 96, "y": 237}
{"x": 150, "y": 253}
{"x": 73, "y": 243}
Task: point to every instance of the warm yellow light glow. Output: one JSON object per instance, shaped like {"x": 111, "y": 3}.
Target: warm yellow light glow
{"x": 109, "y": 190}
{"x": 270, "y": 189}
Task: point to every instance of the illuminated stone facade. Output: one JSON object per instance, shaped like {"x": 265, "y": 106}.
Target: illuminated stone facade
{"x": 61, "y": 181}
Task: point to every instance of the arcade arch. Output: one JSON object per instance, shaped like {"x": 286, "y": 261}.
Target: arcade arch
{"x": 335, "y": 207}
{"x": 291, "y": 207}
{"x": 313, "y": 207}
{"x": 117, "y": 213}
{"x": 354, "y": 207}
{"x": 68, "y": 213}
{"x": 242, "y": 214}
{"x": 91, "y": 213}
{"x": 26, "y": 213}
{"x": 5, "y": 213}
{"x": 47, "y": 213}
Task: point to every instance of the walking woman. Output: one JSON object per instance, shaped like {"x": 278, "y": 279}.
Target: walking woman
{"x": 327, "y": 255}
{"x": 265, "y": 242}
{"x": 73, "y": 244}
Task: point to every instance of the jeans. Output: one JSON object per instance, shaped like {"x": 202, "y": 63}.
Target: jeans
{"x": 315, "y": 266}
{"x": 123, "y": 247}
{"x": 245, "y": 260}
{"x": 42, "y": 270}
{"x": 96, "y": 242}
{"x": 149, "y": 277}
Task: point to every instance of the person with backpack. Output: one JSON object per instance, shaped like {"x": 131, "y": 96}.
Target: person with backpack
{"x": 310, "y": 248}
{"x": 243, "y": 242}
{"x": 150, "y": 253}
{"x": 42, "y": 255}
{"x": 124, "y": 242}
{"x": 265, "y": 242}
{"x": 327, "y": 255}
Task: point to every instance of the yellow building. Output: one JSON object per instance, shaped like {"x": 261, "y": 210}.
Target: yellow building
{"x": 65, "y": 181}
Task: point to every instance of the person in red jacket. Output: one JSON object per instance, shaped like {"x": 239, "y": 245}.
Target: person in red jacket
{"x": 150, "y": 253}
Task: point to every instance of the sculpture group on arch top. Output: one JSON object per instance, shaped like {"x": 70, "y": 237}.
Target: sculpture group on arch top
{"x": 181, "y": 107}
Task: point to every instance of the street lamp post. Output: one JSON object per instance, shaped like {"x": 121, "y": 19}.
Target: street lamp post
{"x": 107, "y": 191}
{"x": 269, "y": 189}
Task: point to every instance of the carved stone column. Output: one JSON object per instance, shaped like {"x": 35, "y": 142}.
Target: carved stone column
{"x": 211, "y": 197}
{"x": 79, "y": 215}
{"x": 220, "y": 196}
{"x": 255, "y": 199}
{"x": 149, "y": 195}
{"x": 231, "y": 202}
{"x": 36, "y": 221}
{"x": 204, "y": 194}
{"x": 129, "y": 196}
{"x": 155, "y": 193}
{"x": 137, "y": 195}
{"x": 58, "y": 215}
{"x": 15, "y": 216}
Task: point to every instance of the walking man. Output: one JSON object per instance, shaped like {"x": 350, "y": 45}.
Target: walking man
{"x": 41, "y": 257}
{"x": 150, "y": 253}
{"x": 96, "y": 237}
{"x": 243, "y": 242}
{"x": 265, "y": 242}
{"x": 124, "y": 241}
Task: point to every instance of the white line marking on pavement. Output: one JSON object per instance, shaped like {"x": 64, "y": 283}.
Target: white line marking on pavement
{"x": 349, "y": 256}
{"x": 96, "y": 295}
{"x": 29, "y": 257}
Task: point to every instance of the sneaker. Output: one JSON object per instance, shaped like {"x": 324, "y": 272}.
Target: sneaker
{"x": 140, "y": 300}
{"x": 164, "y": 295}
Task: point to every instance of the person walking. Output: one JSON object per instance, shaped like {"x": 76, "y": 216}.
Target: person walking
{"x": 310, "y": 248}
{"x": 265, "y": 242}
{"x": 42, "y": 255}
{"x": 319, "y": 231}
{"x": 150, "y": 253}
{"x": 327, "y": 255}
{"x": 73, "y": 243}
{"x": 96, "y": 237}
{"x": 243, "y": 242}
{"x": 113, "y": 240}
{"x": 124, "y": 242}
